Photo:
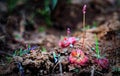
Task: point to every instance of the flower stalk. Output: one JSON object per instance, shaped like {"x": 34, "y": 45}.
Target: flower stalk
{"x": 84, "y": 12}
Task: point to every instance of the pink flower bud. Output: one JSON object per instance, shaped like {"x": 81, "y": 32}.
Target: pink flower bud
{"x": 84, "y": 9}
{"x": 68, "y": 31}
{"x": 78, "y": 57}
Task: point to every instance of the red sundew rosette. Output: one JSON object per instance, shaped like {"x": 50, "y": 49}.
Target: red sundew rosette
{"x": 67, "y": 41}
{"x": 78, "y": 57}
{"x": 102, "y": 62}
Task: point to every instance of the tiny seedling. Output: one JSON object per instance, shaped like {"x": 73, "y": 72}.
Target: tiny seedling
{"x": 18, "y": 52}
{"x": 95, "y": 24}
{"x": 55, "y": 57}
{"x": 87, "y": 27}
{"x": 43, "y": 49}
{"x": 76, "y": 70}
{"x": 116, "y": 69}
{"x": 60, "y": 65}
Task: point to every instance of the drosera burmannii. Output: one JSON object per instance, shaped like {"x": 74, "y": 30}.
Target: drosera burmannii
{"x": 68, "y": 41}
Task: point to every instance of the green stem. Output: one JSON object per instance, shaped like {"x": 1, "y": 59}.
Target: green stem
{"x": 97, "y": 48}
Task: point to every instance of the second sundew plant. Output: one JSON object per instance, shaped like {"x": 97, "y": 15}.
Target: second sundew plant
{"x": 100, "y": 61}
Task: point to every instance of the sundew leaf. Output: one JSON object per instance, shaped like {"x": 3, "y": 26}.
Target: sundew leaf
{"x": 96, "y": 47}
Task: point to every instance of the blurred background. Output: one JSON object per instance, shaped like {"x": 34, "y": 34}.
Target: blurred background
{"x": 19, "y": 19}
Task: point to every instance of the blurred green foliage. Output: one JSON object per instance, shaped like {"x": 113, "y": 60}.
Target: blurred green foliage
{"x": 13, "y": 3}
{"x": 86, "y": 27}
{"x": 54, "y": 3}
{"x": 95, "y": 24}
{"x": 118, "y": 3}
{"x": 41, "y": 29}
{"x": 9, "y": 59}
{"x": 116, "y": 69}
{"x": 43, "y": 49}
{"x": 46, "y": 11}
{"x": 49, "y": 5}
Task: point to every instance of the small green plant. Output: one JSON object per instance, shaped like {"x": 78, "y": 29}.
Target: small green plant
{"x": 95, "y": 24}
{"x": 18, "y": 52}
{"x": 43, "y": 49}
{"x": 21, "y": 52}
{"x": 86, "y": 27}
{"x": 17, "y": 36}
{"x": 97, "y": 47}
{"x": 115, "y": 69}
{"x": 57, "y": 59}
